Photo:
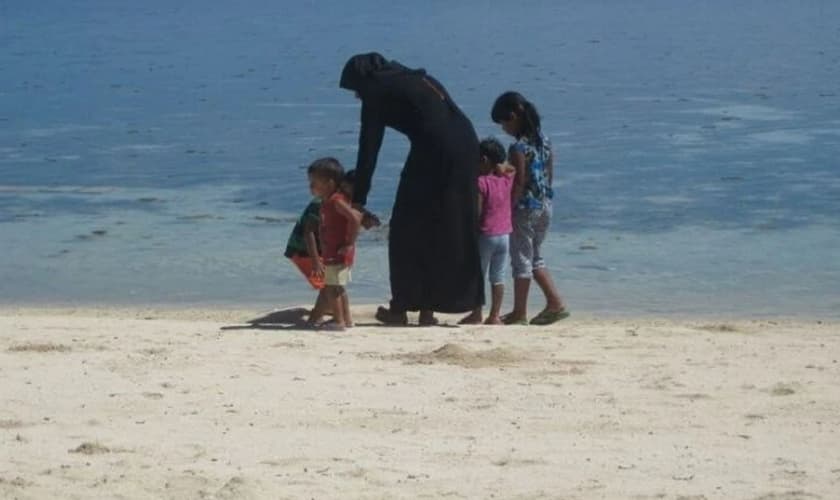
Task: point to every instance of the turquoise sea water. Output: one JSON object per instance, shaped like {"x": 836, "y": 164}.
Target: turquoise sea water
{"x": 152, "y": 153}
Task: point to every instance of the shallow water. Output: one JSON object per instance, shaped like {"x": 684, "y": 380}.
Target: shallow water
{"x": 152, "y": 153}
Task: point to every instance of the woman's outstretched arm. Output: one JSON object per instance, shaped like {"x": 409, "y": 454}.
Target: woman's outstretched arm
{"x": 370, "y": 140}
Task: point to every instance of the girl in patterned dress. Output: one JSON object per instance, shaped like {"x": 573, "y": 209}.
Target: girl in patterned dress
{"x": 532, "y": 157}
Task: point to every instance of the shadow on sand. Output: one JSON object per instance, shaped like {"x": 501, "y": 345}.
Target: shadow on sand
{"x": 284, "y": 319}
{"x": 295, "y": 319}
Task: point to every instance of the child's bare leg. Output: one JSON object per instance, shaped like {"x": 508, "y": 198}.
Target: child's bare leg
{"x": 520, "y": 301}
{"x": 320, "y": 307}
{"x": 553, "y": 300}
{"x": 497, "y": 294}
{"x": 336, "y": 301}
{"x": 345, "y": 303}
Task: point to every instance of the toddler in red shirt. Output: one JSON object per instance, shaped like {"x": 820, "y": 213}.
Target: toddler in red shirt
{"x": 338, "y": 230}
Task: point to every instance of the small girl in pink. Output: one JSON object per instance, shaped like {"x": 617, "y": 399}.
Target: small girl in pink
{"x": 494, "y": 207}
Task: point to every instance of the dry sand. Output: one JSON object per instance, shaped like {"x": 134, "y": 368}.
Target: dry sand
{"x": 199, "y": 404}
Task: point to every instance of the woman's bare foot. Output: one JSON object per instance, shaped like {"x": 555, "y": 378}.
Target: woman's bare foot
{"x": 472, "y": 318}
{"x": 427, "y": 318}
{"x": 389, "y": 317}
{"x": 493, "y": 320}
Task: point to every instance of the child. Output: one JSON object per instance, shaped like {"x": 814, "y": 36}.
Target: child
{"x": 494, "y": 188}
{"x": 338, "y": 230}
{"x": 533, "y": 159}
{"x": 303, "y": 249}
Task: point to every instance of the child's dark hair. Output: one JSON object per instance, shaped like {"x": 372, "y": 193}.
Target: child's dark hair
{"x": 327, "y": 168}
{"x": 349, "y": 177}
{"x": 493, "y": 150}
{"x": 348, "y": 182}
{"x": 514, "y": 102}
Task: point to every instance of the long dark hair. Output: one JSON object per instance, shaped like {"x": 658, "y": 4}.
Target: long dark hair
{"x": 514, "y": 102}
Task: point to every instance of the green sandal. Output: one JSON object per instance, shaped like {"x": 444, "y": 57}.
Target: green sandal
{"x": 549, "y": 317}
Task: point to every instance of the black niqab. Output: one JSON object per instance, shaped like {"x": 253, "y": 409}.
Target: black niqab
{"x": 363, "y": 71}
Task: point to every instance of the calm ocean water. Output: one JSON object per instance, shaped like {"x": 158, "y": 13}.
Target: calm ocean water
{"x": 152, "y": 152}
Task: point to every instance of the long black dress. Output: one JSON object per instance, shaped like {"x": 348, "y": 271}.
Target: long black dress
{"x": 433, "y": 240}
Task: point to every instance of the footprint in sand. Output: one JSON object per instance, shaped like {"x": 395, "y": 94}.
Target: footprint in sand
{"x": 787, "y": 495}
{"x": 562, "y": 367}
{"x": 519, "y": 462}
{"x": 89, "y": 448}
{"x": 188, "y": 485}
{"x": 11, "y": 424}
{"x": 236, "y": 488}
{"x": 723, "y": 328}
{"x": 153, "y": 351}
{"x": 10, "y": 488}
{"x": 782, "y": 389}
{"x": 693, "y": 396}
{"x": 36, "y": 347}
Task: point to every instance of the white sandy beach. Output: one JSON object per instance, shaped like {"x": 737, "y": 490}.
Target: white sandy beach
{"x": 125, "y": 404}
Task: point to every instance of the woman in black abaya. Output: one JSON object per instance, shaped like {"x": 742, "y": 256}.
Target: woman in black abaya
{"x": 433, "y": 240}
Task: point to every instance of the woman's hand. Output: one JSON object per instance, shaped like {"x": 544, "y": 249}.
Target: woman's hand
{"x": 370, "y": 220}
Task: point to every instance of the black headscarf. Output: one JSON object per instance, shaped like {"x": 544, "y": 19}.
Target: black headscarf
{"x": 366, "y": 71}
